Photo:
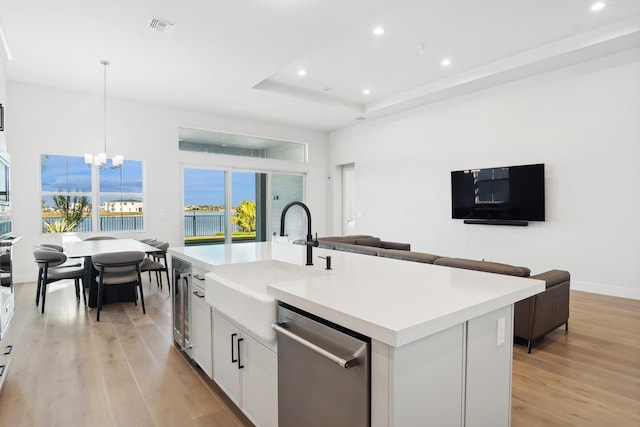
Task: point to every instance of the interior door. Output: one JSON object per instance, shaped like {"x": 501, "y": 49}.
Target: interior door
{"x": 348, "y": 199}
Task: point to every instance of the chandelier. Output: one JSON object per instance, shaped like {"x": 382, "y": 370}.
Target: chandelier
{"x": 100, "y": 159}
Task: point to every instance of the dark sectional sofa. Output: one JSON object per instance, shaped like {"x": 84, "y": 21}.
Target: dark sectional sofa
{"x": 534, "y": 317}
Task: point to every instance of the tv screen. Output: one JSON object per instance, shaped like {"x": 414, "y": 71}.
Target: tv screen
{"x": 512, "y": 193}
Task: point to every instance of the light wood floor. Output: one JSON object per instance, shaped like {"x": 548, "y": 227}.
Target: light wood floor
{"x": 69, "y": 370}
{"x": 589, "y": 376}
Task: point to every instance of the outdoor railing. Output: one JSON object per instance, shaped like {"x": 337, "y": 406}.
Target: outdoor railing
{"x": 107, "y": 223}
{"x": 195, "y": 225}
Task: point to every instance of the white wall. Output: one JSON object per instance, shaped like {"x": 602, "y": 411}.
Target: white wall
{"x": 583, "y": 122}
{"x": 3, "y": 91}
{"x": 55, "y": 121}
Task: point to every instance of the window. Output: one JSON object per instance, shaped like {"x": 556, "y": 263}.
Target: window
{"x": 209, "y": 141}
{"x": 121, "y": 206}
{"x": 70, "y": 201}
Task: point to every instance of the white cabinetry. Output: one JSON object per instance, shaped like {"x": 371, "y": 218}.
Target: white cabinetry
{"x": 7, "y": 306}
{"x": 246, "y": 370}
{"x": 420, "y": 383}
{"x": 6, "y": 312}
{"x": 460, "y": 376}
{"x": 201, "y": 351}
{"x": 489, "y": 353}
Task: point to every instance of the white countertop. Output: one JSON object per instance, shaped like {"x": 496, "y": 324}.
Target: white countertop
{"x": 392, "y": 301}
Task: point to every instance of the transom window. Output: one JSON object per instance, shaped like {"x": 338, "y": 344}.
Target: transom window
{"x": 209, "y": 141}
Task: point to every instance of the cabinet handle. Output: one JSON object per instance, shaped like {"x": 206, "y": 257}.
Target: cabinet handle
{"x": 345, "y": 363}
{"x": 2, "y": 369}
{"x": 233, "y": 358}
{"x": 196, "y": 293}
{"x": 10, "y": 348}
{"x": 240, "y": 365}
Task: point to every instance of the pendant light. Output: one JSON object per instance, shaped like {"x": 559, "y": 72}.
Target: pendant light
{"x": 100, "y": 159}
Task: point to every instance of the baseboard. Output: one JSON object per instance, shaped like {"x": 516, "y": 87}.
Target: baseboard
{"x": 604, "y": 289}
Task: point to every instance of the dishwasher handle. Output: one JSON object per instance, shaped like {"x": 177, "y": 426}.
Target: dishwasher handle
{"x": 346, "y": 364}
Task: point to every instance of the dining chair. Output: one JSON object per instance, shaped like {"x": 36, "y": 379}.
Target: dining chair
{"x": 51, "y": 269}
{"x": 157, "y": 262}
{"x": 118, "y": 268}
{"x": 73, "y": 262}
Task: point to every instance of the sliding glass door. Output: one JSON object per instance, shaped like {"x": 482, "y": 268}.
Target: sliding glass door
{"x": 248, "y": 200}
{"x": 286, "y": 188}
{"x": 204, "y": 206}
{"x": 230, "y": 206}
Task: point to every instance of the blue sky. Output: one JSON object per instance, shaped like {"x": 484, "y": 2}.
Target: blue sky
{"x": 206, "y": 187}
{"x": 70, "y": 173}
{"x": 202, "y": 186}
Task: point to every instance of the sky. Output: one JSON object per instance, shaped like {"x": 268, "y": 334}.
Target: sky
{"x": 201, "y": 186}
{"x": 70, "y": 173}
{"x": 206, "y": 187}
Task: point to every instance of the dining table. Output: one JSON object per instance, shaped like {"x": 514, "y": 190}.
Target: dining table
{"x": 88, "y": 248}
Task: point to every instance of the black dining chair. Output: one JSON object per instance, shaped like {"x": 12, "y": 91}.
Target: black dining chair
{"x": 118, "y": 268}
{"x": 51, "y": 268}
{"x": 157, "y": 262}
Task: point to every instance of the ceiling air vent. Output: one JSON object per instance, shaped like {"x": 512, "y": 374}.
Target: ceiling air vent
{"x": 162, "y": 25}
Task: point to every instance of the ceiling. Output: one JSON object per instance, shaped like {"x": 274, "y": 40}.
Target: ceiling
{"x": 242, "y": 57}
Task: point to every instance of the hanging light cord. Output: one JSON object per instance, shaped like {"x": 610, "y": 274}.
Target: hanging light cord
{"x": 105, "y": 63}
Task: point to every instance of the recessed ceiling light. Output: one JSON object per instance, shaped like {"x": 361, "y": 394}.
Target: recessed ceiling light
{"x": 302, "y": 72}
{"x": 378, "y": 31}
{"x": 445, "y": 62}
{"x": 366, "y": 92}
{"x": 598, "y": 6}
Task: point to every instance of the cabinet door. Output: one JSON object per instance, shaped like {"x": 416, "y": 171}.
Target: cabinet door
{"x": 489, "y": 353}
{"x": 201, "y": 331}
{"x": 7, "y": 303}
{"x": 225, "y": 350}
{"x": 426, "y": 382}
{"x": 259, "y": 382}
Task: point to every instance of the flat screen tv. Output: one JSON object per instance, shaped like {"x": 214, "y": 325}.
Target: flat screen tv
{"x": 503, "y": 195}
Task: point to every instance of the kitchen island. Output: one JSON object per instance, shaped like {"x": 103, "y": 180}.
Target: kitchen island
{"x": 441, "y": 338}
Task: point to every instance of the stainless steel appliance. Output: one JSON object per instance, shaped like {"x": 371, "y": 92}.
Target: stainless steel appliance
{"x": 323, "y": 372}
{"x": 180, "y": 296}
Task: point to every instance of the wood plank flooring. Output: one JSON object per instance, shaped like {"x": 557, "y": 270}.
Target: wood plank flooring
{"x": 589, "y": 376}
{"x": 69, "y": 370}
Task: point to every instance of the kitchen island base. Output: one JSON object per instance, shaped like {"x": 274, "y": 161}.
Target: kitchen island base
{"x": 457, "y": 377}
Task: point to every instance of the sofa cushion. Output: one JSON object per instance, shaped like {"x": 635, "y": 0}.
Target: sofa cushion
{"x": 338, "y": 239}
{"x": 407, "y": 255}
{"x": 396, "y": 245}
{"x": 369, "y": 241}
{"x": 358, "y": 249}
{"x": 490, "y": 267}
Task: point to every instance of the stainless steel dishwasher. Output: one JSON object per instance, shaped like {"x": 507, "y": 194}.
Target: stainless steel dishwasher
{"x": 323, "y": 372}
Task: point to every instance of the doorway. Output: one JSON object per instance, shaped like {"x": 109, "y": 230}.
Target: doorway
{"x": 348, "y": 199}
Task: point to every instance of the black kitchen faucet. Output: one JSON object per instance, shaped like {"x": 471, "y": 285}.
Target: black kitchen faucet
{"x": 310, "y": 240}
